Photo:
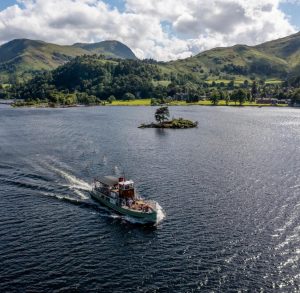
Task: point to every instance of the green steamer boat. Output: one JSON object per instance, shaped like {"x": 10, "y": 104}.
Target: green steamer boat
{"x": 119, "y": 195}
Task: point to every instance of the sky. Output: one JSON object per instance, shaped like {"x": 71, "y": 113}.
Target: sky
{"x": 159, "y": 29}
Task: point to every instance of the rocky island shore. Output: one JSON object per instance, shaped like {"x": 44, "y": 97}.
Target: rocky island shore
{"x": 174, "y": 123}
{"x": 161, "y": 116}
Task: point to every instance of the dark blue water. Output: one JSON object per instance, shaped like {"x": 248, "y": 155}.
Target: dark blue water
{"x": 230, "y": 190}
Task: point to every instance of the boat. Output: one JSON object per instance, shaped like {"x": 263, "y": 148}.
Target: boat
{"x": 120, "y": 195}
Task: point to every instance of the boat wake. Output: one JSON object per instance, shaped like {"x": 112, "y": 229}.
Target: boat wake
{"x": 65, "y": 186}
{"x": 117, "y": 171}
{"x": 68, "y": 187}
{"x": 73, "y": 182}
{"x": 81, "y": 194}
{"x": 161, "y": 215}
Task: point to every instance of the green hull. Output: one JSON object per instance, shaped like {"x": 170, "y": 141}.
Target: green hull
{"x": 149, "y": 218}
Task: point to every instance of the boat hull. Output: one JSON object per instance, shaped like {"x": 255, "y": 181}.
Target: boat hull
{"x": 147, "y": 218}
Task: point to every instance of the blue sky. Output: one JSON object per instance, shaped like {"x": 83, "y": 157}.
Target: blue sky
{"x": 293, "y": 11}
{"x": 159, "y": 29}
{"x": 6, "y": 3}
{"x": 120, "y": 4}
{"x": 113, "y": 3}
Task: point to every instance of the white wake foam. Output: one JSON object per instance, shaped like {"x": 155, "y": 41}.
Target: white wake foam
{"x": 117, "y": 171}
{"x": 75, "y": 182}
{"x": 104, "y": 160}
{"x": 81, "y": 194}
{"x": 61, "y": 197}
{"x": 160, "y": 213}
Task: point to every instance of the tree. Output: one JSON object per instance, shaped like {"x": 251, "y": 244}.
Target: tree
{"x": 85, "y": 99}
{"x": 230, "y": 85}
{"x": 295, "y": 97}
{"x": 226, "y": 98}
{"x": 111, "y": 99}
{"x": 215, "y": 98}
{"x": 254, "y": 90}
{"x": 129, "y": 96}
{"x": 154, "y": 102}
{"x": 234, "y": 97}
{"x": 221, "y": 94}
{"x": 193, "y": 95}
{"x": 239, "y": 96}
{"x": 162, "y": 114}
{"x": 248, "y": 96}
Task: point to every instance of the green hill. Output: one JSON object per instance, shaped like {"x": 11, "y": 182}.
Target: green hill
{"x": 112, "y": 49}
{"x": 21, "y": 58}
{"x": 288, "y": 49}
{"x": 274, "y": 59}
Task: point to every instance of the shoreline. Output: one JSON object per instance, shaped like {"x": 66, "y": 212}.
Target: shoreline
{"x": 147, "y": 103}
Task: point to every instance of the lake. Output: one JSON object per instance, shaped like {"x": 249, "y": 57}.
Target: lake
{"x": 230, "y": 191}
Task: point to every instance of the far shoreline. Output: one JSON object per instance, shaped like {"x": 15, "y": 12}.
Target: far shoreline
{"x": 146, "y": 103}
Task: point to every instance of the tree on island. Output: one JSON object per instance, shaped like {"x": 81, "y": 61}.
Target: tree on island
{"x": 162, "y": 114}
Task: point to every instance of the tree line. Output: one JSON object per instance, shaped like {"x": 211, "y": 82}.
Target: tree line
{"x": 94, "y": 80}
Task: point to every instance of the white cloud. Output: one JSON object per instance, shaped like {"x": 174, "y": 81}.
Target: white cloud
{"x": 193, "y": 25}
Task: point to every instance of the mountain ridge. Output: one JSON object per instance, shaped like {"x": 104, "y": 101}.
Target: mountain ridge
{"x": 112, "y": 48}
{"x": 273, "y": 59}
{"x": 22, "y": 57}
{"x": 277, "y": 59}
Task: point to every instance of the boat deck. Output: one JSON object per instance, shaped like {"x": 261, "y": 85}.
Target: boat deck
{"x": 140, "y": 206}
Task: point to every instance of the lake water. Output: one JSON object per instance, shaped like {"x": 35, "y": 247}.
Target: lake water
{"x": 230, "y": 191}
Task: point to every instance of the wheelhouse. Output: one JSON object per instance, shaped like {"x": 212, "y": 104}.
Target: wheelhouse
{"x": 113, "y": 186}
{"x": 126, "y": 188}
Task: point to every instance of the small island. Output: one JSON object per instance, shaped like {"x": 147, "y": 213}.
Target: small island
{"x": 162, "y": 115}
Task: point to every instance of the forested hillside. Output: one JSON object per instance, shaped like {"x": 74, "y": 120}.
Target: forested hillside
{"x": 270, "y": 70}
{"x": 94, "y": 80}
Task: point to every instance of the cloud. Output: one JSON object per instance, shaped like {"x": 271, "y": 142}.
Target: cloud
{"x": 219, "y": 23}
{"x": 159, "y": 29}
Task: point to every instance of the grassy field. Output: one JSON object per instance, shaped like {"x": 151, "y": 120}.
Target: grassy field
{"x": 241, "y": 81}
{"x": 161, "y": 82}
{"x": 147, "y": 102}
{"x": 273, "y": 81}
{"x": 143, "y": 102}
{"x": 5, "y": 85}
{"x": 221, "y": 103}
